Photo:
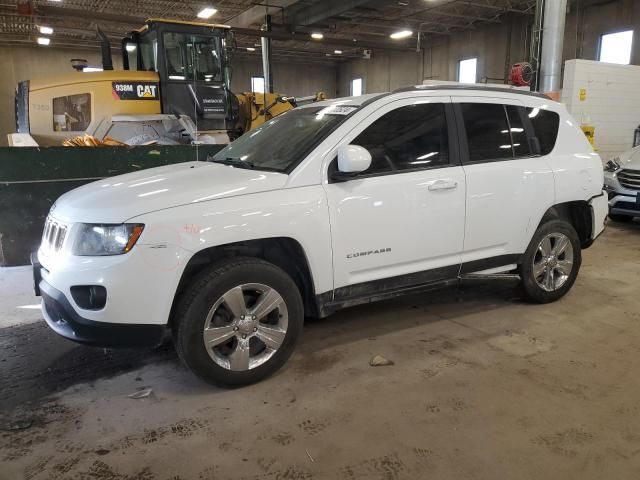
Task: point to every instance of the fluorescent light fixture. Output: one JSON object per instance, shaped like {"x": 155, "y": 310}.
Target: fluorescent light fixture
{"x": 176, "y": 77}
{"x": 92, "y": 69}
{"x": 131, "y": 48}
{"x": 45, "y": 30}
{"x": 43, "y": 41}
{"x": 401, "y": 34}
{"x": 338, "y": 52}
{"x": 207, "y": 12}
{"x": 317, "y": 36}
{"x": 251, "y": 49}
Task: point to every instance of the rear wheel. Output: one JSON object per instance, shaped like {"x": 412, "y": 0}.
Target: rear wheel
{"x": 238, "y": 322}
{"x": 620, "y": 218}
{"x": 551, "y": 263}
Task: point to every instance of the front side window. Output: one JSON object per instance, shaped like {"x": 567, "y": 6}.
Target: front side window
{"x": 72, "y": 113}
{"x": 149, "y": 52}
{"x": 284, "y": 141}
{"x": 407, "y": 138}
{"x": 487, "y": 131}
{"x": 192, "y": 57}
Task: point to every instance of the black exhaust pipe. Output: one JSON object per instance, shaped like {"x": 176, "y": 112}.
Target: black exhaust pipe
{"x": 105, "y": 46}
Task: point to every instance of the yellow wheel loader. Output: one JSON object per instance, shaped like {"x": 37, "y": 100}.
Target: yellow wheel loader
{"x": 174, "y": 89}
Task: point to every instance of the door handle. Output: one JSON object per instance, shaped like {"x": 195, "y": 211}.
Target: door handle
{"x": 443, "y": 185}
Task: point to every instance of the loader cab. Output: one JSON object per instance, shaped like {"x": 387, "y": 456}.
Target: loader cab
{"x": 192, "y": 66}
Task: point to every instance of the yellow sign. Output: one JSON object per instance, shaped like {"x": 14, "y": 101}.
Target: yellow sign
{"x": 583, "y": 94}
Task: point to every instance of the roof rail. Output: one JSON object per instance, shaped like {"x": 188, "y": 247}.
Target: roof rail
{"x": 462, "y": 86}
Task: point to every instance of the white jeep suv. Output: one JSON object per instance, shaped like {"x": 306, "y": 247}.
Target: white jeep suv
{"x": 330, "y": 205}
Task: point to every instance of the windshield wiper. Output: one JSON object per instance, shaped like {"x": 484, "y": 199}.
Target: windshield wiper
{"x": 233, "y": 161}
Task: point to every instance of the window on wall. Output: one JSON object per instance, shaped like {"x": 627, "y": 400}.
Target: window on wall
{"x": 356, "y": 87}
{"x": 616, "y": 47}
{"x": 257, "y": 84}
{"x": 467, "y": 70}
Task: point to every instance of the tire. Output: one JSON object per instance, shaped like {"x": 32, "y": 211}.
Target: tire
{"x": 246, "y": 286}
{"x": 540, "y": 286}
{"x": 620, "y": 218}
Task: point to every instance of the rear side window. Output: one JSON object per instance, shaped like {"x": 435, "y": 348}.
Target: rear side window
{"x": 407, "y": 138}
{"x": 487, "y": 131}
{"x": 545, "y": 125}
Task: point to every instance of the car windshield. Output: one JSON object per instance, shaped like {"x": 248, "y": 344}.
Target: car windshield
{"x": 281, "y": 143}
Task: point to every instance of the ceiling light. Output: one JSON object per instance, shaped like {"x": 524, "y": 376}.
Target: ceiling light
{"x": 130, "y": 48}
{"x": 43, "y": 41}
{"x": 401, "y": 34}
{"x": 45, "y": 30}
{"x": 251, "y": 49}
{"x": 317, "y": 36}
{"x": 207, "y": 12}
{"x": 92, "y": 69}
{"x": 338, "y": 52}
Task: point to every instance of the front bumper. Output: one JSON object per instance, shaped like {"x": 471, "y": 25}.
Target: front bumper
{"x": 622, "y": 201}
{"x": 65, "y": 321}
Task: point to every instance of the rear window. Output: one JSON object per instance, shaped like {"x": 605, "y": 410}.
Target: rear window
{"x": 545, "y": 126}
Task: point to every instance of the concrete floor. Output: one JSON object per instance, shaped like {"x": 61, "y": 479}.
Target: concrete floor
{"x": 484, "y": 386}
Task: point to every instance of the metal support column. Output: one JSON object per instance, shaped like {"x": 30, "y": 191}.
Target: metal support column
{"x": 266, "y": 57}
{"x": 555, "y": 13}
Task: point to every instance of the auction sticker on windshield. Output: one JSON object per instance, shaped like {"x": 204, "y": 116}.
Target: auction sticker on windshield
{"x": 337, "y": 110}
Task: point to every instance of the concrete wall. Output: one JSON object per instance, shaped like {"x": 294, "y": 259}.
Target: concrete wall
{"x": 497, "y": 47}
{"x": 292, "y": 78}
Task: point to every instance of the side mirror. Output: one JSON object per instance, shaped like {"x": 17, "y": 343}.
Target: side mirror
{"x": 352, "y": 159}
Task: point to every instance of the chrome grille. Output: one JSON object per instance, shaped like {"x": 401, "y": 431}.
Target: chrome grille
{"x": 629, "y": 179}
{"x": 53, "y": 235}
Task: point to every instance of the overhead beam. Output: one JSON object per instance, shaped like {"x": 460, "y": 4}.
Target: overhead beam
{"x": 322, "y": 10}
{"x": 256, "y": 14}
{"x": 60, "y": 12}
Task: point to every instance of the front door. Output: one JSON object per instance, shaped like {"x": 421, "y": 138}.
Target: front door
{"x": 401, "y": 222}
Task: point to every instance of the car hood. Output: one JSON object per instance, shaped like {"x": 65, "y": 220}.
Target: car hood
{"x": 116, "y": 199}
{"x": 630, "y": 158}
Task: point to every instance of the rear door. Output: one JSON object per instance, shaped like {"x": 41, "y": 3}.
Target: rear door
{"x": 509, "y": 184}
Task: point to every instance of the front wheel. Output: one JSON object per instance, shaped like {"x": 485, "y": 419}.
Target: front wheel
{"x": 238, "y": 322}
{"x": 551, "y": 263}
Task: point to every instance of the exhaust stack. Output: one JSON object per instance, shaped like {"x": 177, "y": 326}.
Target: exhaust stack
{"x": 105, "y": 47}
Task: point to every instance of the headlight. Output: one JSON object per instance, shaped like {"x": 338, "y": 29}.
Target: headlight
{"x": 612, "y": 165}
{"x": 92, "y": 239}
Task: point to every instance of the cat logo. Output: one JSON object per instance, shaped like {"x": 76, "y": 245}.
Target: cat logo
{"x": 146, "y": 91}
{"x": 135, "y": 90}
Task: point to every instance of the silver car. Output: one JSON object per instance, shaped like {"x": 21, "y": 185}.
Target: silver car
{"x": 622, "y": 184}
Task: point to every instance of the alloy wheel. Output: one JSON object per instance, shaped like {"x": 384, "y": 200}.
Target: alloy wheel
{"x": 553, "y": 261}
{"x": 246, "y": 326}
